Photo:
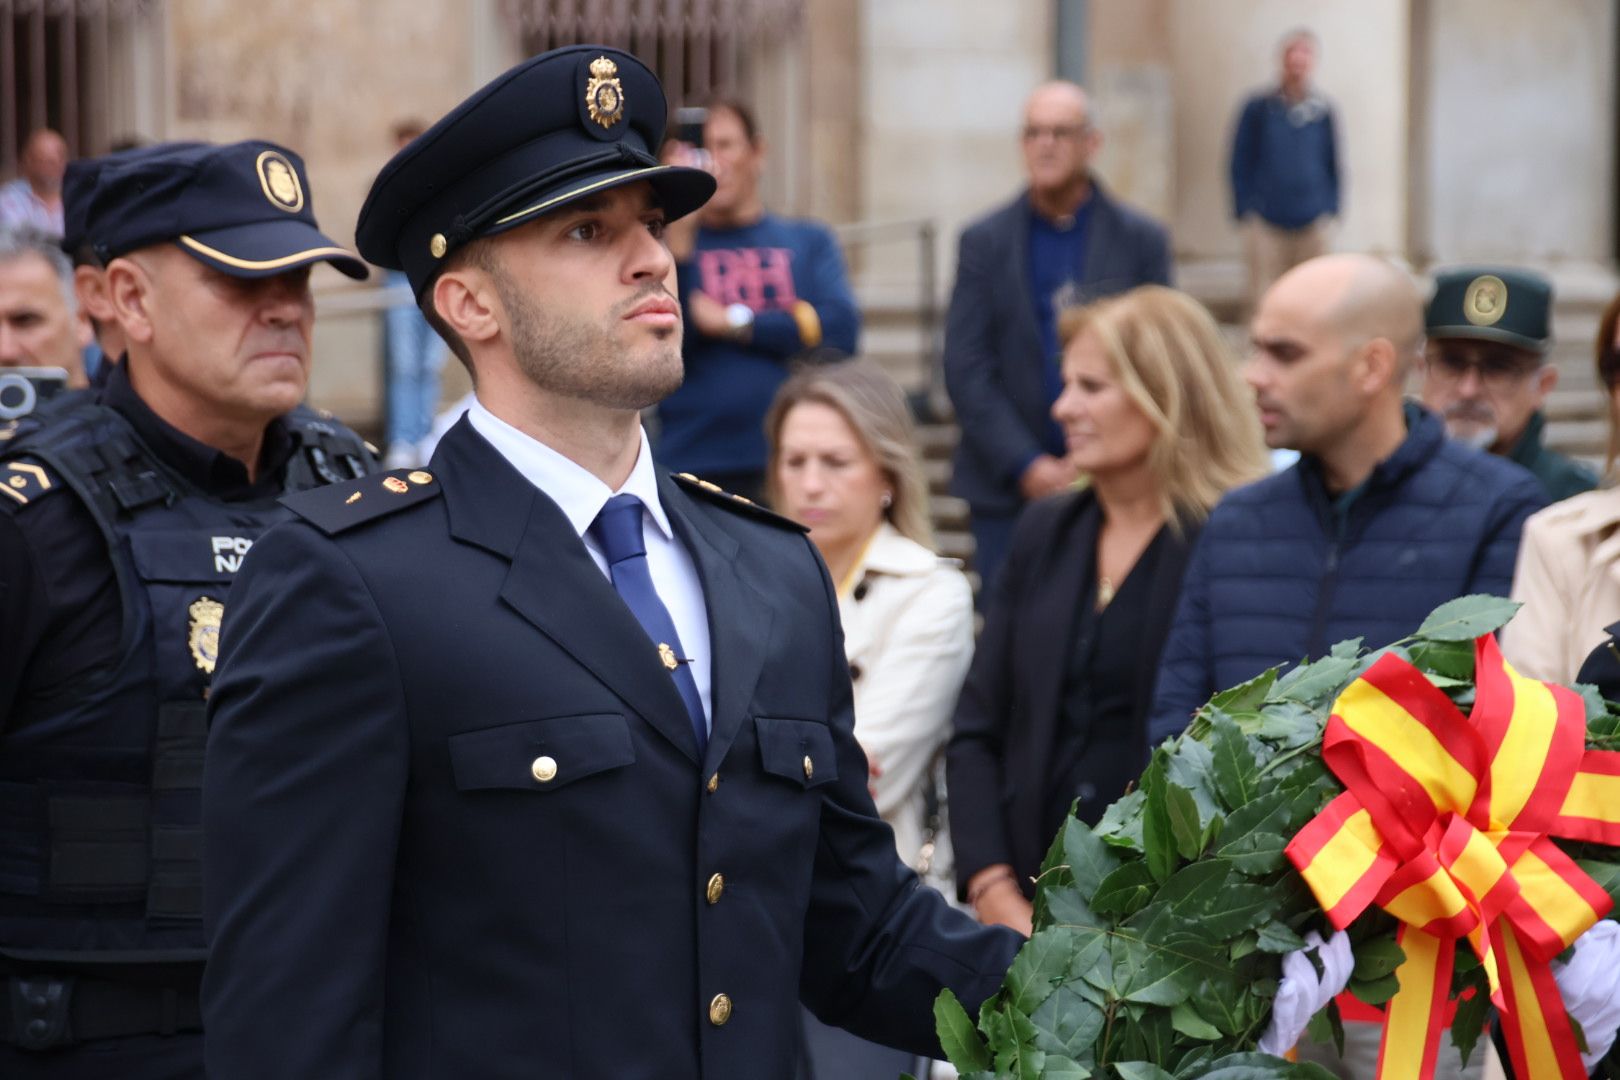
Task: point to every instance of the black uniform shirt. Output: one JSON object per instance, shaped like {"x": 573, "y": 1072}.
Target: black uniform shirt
{"x": 59, "y": 607}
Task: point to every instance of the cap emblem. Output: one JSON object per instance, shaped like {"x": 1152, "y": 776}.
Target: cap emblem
{"x": 1485, "y": 302}
{"x": 604, "y": 96}
{"x": 279, "y": 180}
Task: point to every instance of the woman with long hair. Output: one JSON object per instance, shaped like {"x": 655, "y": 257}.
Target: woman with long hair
{"x": 1158, "y": 421}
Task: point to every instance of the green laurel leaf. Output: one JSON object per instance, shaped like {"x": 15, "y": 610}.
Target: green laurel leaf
{"x": 1038, "y": 968}
{"x": 957, "y": 1035}
{"x": 1467, "y": 617}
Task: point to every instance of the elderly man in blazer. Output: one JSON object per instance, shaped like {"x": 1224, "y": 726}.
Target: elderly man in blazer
{"x": 1064, "y": 240}
{"x": 536, "y": 762}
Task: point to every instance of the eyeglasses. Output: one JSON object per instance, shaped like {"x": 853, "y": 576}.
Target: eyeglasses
{"x": 1498, "y": 370}
{"x": 1056, "y": 132}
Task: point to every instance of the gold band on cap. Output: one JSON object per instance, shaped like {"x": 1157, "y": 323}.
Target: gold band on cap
{"x": 592, "y": 186}
{"x": 266, "y": 264}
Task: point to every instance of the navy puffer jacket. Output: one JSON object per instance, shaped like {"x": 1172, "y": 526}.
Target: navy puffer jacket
{"x": 1282, "y": 571}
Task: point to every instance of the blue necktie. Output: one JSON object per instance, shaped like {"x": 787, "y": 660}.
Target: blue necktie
{"x": 617, "y": 530}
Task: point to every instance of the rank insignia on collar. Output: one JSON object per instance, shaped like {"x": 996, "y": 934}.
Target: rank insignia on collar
{"x": 206, "y": 614}
{"x": 604, "y": 95}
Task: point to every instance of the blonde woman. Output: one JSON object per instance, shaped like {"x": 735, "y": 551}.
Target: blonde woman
{"x": 1568, "y": 570}
{"x": 1055, "y": 705}
{"x": 843, "y": 462}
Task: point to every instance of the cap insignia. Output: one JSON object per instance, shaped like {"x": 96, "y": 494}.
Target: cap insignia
{"x": 604, "y": 96}
{"x": 1485, "y": 302}
{"x": 280, "y": 182}
{"x": 203, "y": 639}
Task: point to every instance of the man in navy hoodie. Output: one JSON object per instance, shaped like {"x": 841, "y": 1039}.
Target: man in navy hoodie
{"x": 757, "y": 290}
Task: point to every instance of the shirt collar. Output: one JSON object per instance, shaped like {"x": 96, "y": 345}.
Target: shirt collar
{"x": 576, "y": 491}
{"x": 208, "y": 468}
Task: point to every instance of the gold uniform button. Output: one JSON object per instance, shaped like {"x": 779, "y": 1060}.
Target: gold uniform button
{"x": 719, "y": 1010}
{"x": 714, "y": 783}
{"x": 438, "y": 245}
{"x": 544, "y": 768}
{"x": 809, "y": 767}
{"x": 717, "y": 888}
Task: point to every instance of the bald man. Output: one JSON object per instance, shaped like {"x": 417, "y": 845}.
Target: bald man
{"x": 1061, "y": 241}
{"x": 34, "y": 199}
{"x": 1382, "y": 519}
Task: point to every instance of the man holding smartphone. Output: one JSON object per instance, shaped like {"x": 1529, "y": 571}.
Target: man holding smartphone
{"x": 124, "y": 515}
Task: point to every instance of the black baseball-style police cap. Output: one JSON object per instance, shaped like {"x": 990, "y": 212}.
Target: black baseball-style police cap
{"x": 243, "y": 209}
{"x": 1491, "y": 303}
{"x": 554, "y": 129}
{"x": 83, "y": 216}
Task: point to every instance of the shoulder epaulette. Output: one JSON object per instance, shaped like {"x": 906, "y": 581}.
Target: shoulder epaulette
{"x": 27, "y": 479}
{"x": 336, "y": 508}
{"x": 715, "y": 493}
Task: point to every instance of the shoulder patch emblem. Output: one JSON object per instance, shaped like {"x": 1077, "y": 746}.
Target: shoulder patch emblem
{"x": 26, "y": 479}
{"x": 714, "y": 493}
{"x": 337, "y": 508}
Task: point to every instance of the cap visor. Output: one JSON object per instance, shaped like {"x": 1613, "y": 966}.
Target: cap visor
{"x": 680, "y": 191}
{"x": 269, "y": 247}
{"x": 1469, "y": 332}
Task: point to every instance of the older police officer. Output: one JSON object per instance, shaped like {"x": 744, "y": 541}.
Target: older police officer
{"x": 1486, "y": 370}
{"x": 537, "y": 762}
{"x": 123, "y": 519}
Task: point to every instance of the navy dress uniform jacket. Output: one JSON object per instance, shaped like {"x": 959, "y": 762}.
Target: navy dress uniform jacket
{"x": 393, "y": 892}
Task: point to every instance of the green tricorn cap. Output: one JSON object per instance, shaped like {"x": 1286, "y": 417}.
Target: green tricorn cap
{"x": 1491, "y": 303}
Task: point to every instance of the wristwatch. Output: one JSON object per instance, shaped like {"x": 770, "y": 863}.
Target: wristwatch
{"x": 739, "y": 320}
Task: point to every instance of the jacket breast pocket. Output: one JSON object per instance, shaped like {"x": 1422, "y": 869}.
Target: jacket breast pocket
{"x": 540, "y": 755}
{"x": 798, "y": 751}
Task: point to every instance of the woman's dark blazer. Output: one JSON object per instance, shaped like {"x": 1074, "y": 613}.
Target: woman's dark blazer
{"x": 1006, "y": 722}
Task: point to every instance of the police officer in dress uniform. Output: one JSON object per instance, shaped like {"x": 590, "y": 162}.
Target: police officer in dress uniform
{"x": 538, "y": 762}
{"x": 123, "y": 520}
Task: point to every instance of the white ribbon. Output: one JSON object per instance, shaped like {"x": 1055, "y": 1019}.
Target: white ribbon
{"x": 1301, "y": 994}
{"x": 1590, "y": 985}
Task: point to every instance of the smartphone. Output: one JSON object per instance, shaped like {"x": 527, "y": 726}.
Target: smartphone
{"x": 688, "y": 126}
{"x": 24, "y": 389}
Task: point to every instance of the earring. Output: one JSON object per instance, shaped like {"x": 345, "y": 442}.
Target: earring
{"x": 887, "y": 500}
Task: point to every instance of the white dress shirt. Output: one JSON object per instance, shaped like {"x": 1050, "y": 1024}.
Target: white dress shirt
{"x": 581, "y": 497}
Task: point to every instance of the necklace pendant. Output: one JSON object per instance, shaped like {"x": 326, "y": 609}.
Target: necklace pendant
{"x": 1105, "y": 593}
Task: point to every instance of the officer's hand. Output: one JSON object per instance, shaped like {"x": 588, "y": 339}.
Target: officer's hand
{"x": 707, "y": 314}
{"x": 1047, "y": 475}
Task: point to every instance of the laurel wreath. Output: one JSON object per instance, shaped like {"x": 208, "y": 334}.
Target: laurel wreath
{"x": 1159, "y": 935}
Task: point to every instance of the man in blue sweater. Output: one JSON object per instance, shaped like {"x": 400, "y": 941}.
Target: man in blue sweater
{"x": 757, "y": 290}
{"x": 1381, "y": 520}
{"x": 1285, "y": 169}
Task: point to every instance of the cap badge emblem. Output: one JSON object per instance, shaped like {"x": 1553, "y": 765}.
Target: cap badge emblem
{"x": 604, "y": 96}
{"x": 203, "y": 639}
{"x": 1485, "y": 302}
{"x": 396, "y": 485}
{"x": 280, "y": 181}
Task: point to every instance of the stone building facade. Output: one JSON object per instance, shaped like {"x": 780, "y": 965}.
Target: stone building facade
{"x": 1471, "y": 129}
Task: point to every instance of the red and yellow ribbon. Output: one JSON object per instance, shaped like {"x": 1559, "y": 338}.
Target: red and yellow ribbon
{"x": 1446, "y": 823}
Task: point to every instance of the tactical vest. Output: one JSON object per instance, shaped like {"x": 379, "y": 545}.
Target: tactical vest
{"x": 100, "y": 791}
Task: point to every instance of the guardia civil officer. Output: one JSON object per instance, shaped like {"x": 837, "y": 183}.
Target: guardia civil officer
{"x": 537, "y": 762}
{"x": 123, "y": 521}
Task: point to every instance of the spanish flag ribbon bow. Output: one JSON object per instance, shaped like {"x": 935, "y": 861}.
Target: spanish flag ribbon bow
{"x": 1446, "y": 824}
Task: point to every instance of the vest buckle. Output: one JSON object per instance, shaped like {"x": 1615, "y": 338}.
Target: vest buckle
{"x": 40, "y": 1012}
